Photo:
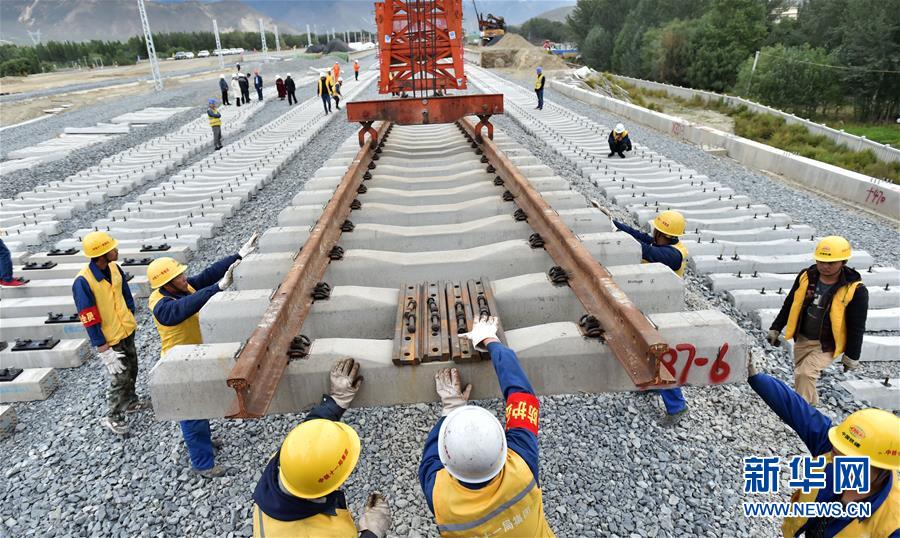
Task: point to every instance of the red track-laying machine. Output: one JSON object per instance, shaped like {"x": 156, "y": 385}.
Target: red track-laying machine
{"x": 420, "y": 45}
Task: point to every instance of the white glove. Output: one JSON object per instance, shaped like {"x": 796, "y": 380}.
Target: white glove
{"x": 376, "y": 517}
{"x": 112, "y": 359}
{"x": 485, "y": 327}
{"x": 849, "y": 364}
{"x": 249, "y": 246}
{"x": 449, "y": 388}
{"x": 228, "y": 279}
{"x": 345, "y": 381}
{"x": 773, "y": 339}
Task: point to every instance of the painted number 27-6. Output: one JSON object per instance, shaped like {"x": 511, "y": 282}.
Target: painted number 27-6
{"x": 687, "y": 353}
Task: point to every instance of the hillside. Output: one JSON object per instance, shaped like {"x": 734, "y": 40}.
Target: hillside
{"x": 558, "y": 14}
{"x": 83, "y": 20}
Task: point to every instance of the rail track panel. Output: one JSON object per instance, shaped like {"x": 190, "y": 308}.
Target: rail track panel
{"x": 433, "y": 239}
{"x": 747, "y": 251}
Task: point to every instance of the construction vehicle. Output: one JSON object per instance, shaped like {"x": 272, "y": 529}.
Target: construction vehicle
{"x": 491, "y": 28}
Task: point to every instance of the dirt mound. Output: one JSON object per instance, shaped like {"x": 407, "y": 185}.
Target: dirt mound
{"x": 515, "y": 52}
{"x": 512, "y": 41}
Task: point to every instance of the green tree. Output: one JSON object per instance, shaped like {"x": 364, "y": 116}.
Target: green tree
{"x": 610, "y": 15}
{"x": 537, "y": 30}
{"x": 597, "y": 49}
{"x": 666, "y": 51}
{"x": 729, "y": 32}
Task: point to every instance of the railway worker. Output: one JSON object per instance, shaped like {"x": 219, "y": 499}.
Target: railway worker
{"x": 244, "y": 83}
{"x": 106, "y": 308}
{"x": 619, "y": 142}
{"x": 223, "y": 85}
{"x": 665, "y": 248}
{"x": 175, "y": 304}
{"x": 215, "y": 122}
{"x": 477, "y": 478}
{"x": 325, "y": 89}
{"x": 279, "y": 87}
{"x": 298, "y": 493}
{"x": 6, "y": 269}
{"x": 258, "y": 84}
{"x": 236, "y": 89}
{"x": 870, "y": 433}
{"x": 825, "y": 314}
{"x": 335, "y": 71}
{"x": 337, "y": 93}
{"x": 356, "y": 69}
{"x": 290, "y": 88}
{"x": 539, "y": 83}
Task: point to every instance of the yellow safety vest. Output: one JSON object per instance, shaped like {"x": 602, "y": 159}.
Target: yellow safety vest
{"x": 326, "y": 86}
{"x": 116, "y": 321}
{"x": 883, "y": 522}
{"x": 510, "y": 505}
{"x": 214, "y": 121}
{"x": 619, "y": 136}
{"x": 185, "y": 333}
{"x": 318, "y": 526}
{"x": 539, "y": 82}
{"x": 839, "y": 302}
{"x": 679, "y": 246}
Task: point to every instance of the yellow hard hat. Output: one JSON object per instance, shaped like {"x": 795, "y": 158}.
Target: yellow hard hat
{"x": 96, "y": 244}
{"x": 670, "y": 223}
{"x": 317, "y": 457}
{"x": 833, "y": 248}
{"x": 870, "y": 432}
{"x": 161, "y": 271}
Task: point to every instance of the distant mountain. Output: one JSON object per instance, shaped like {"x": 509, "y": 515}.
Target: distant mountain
{"x": 83, "y": 20}
{"x": 558, "y": 14}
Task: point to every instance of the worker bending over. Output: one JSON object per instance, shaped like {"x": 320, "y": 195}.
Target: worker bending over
{"x": 297, "y": 494}
{"x": 479, "y": 480}
{"x": 871, "y": 433}
{"x": 175, "y": 303}
{"x": 106, "y": 309}
{"x": 665, "y": 248}
{"x": 619, "y": 141}
{"x": 825, "y": 314}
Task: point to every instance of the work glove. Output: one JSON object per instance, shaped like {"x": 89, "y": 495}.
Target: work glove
{"x": 449, "y": 388}
{"x": 773, "y": 338}
{"x": 112, "y": 359}
{"x": 345, "y": 381}
{"x": 249, "y": 246}
{"x": 376, "y": 517}
{"x": 485, "y": 327}
{"x": 228, "y": 279}
{"x": 849, "y": 364}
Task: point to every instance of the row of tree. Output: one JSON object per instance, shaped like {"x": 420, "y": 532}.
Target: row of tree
{"x": 24, "y": 60}
{"x": 835, "y": 54}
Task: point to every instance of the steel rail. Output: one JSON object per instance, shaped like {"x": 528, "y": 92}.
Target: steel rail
{"x": 633, "y": 339}
{"x": 262, "y": 361}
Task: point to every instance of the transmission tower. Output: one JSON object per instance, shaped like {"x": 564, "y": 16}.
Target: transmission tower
{"x": 151, "y": 50}
{"x": 262, "y": 35}
{"x": 218, "y": 44}
{"x": 277, "y": 41}
{"x": 35, "y": 36}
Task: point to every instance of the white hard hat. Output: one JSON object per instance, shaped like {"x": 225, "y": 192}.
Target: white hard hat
{"x": 472, "y": 444}
{"x": 221, "y": 76}
{"x": 619, "y": 128}
{"x": 288, "y": 74}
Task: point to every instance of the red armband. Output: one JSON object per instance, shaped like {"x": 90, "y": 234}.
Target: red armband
{"x": 90, "y": 316}
{"x": 523, "y": 411}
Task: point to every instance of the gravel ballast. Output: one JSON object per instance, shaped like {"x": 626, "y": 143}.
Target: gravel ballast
{"x": 608, "y": 466}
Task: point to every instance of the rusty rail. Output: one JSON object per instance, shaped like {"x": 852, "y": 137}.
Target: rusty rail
{"x": 632, "y": 338}
{"x": 263, "y": 360}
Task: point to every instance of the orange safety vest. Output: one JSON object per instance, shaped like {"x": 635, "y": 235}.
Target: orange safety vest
{"x": 356, "y": 67}
{"x": 185, "y": 333}
{"x": 882, "y": 523}
{"x": 839, "y": 302}
{"x": 116, "y": 321}
{"x": 510, "y": 505}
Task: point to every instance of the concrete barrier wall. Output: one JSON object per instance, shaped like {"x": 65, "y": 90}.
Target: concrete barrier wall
{"x": 879, "y": 197}
{"x": 857, "y": 143}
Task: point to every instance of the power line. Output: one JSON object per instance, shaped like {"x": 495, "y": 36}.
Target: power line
{"x": 846, "y": 67}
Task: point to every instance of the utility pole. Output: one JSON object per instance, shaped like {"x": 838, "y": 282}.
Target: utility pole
{"x": 752, "y": 70}
{"x": 262, "y": 36}
{"x": 332, "y": 34}
{"x": 308, "y": 37}
{"x": 151, "y": 50}
{"x": 277, "y": 41}
{"x": 218, "y": 44}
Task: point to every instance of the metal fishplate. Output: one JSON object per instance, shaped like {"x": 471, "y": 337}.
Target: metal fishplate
{"x": 61, "y": 252}
{"x": 31, "y": 266}
{"x": 53, "y": 317}
{"x": 8, "y": 374}
{"x": 432, "y": 315}
{"x": 158, "y": 248}
{"x": 135, "y": 261}
{"x": 28, "y": 344}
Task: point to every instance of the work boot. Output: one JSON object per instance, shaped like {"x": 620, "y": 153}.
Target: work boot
{"x": 621, "y": 155}
{"x": 671, "y": 420}
{"x": 611, "y": 153}
{"x": 136, "y": 406}
{"x": 213, "y": 472}
{"x": 118, "y": 427}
